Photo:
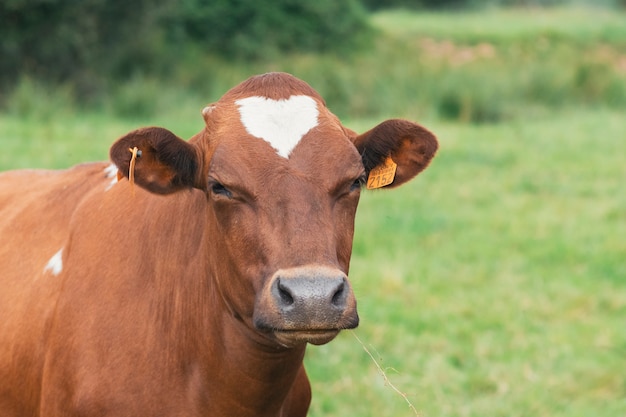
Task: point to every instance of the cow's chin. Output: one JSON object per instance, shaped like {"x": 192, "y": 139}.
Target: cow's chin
{"x": 293, "y": 338}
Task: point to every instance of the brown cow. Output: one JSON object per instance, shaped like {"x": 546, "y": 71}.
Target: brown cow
{"x": 195, "y": 291}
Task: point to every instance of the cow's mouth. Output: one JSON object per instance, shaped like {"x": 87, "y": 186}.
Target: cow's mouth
{"x": 291, "y": 338}
{"x": 305, "y": 304}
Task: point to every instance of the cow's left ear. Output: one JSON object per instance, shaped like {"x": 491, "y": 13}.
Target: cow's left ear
{"x": 164, "y": 163}
{"x": 408, "y": 144}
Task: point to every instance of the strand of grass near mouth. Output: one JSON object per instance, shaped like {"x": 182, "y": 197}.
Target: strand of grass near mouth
{"x": 384, "y": 375}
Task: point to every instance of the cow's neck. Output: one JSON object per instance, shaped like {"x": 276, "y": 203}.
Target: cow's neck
{"x": 254, "y": 379}
{"x": 229, "y": 368}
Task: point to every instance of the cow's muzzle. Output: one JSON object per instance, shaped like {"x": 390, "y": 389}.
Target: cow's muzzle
{"x": 308, "y": 304}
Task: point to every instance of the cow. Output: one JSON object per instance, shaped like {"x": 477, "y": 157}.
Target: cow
{"x": 186, "y": 278}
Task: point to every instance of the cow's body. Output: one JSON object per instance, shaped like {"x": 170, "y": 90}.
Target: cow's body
{"x": 195, "y": 291}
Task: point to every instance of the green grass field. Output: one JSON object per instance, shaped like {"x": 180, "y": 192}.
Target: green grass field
{"x": 492, "y": 285}
{"x": 495, "y": 284}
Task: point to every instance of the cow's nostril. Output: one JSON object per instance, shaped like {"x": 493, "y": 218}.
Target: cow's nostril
{"x": 284, "y": 293}
{"x": 339, "y": 297}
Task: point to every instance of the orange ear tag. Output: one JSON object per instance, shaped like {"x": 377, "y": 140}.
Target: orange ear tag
{"x": 382, "y": 174}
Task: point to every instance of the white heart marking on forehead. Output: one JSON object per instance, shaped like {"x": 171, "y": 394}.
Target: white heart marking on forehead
{"x": 281, "y": 123}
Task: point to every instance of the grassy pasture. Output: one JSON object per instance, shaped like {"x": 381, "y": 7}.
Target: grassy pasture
{"x": 495, "y": 283}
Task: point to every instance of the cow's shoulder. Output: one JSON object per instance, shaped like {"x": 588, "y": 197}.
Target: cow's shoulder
{"x": 33, "y": 197}
{"x": 126, "y": 229}
{"x": 36, "y": 208}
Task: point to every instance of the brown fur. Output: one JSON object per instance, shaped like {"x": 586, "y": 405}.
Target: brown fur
{"x": 167, "y": 301}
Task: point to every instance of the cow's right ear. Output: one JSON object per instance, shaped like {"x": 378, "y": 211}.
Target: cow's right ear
{"x": 408, "y": 145}
{"x": 164, "y": 163}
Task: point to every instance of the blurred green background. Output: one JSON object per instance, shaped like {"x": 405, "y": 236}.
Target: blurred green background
{"x": 492, "y": 285}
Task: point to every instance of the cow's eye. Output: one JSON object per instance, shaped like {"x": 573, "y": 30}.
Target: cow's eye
{"x": 219, "y": 189}
{"x": 358, "y": 183}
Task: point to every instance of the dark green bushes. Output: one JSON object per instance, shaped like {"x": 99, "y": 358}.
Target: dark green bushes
{"x": 260, "y": 28}
{"x": 478, "y": 67}
{"x": 79, "y": 40}
{"x": 90, "y": 42}
{"x": 480, "y": 4}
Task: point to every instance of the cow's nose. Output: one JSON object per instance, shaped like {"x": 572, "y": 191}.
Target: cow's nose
{"x": 310, "y": 292}
{"x": 308, "y": 298}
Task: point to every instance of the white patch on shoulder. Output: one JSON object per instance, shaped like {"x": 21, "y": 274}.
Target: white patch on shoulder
{"x": 281, "y": 123}
{"x": 111, "y": 172}
{"x": 55, "y": 264}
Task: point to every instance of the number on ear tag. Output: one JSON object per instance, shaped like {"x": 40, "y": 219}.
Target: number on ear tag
{"x": 382, "y": 175}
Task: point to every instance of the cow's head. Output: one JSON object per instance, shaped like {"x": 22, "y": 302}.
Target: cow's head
{"x": 282, "y": 178}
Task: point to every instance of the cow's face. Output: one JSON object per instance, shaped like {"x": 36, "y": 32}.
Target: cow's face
{"x": 282, "y": 178}
{"x": 283, "y": 183}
